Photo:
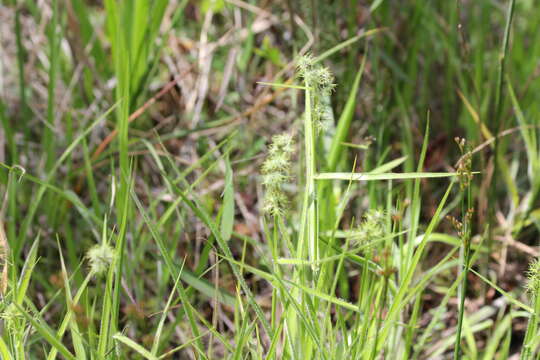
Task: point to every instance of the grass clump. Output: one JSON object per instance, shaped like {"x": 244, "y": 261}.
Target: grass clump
{"x": 143, "y": 217}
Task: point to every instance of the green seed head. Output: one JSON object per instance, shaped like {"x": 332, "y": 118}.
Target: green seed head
{"x": 533, "y": 277}
{"x": 320, "y": 82}
{"x": 100, "y": 257}
{"x": 305, "y": 65}
{"x": 275, "y": 172}
{"x": 10, "y": 315}
{"x": 372, "y": 227}
{"x": 317, "y": 77}
{"x": 275, "y": 202}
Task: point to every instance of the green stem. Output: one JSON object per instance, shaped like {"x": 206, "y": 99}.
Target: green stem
{"x": 309, "y": 139}
{"x": 497, "y": 126}
{"x": 532, "y": 329}
{"x": 465, "y": 206}
{"x": 379, "y": 319}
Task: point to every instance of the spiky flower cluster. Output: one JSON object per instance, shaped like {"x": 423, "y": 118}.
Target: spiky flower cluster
{"x": 533, "y": 277}
{"x": 100, "y": 256}
{"x": 372, "y": 227}
{"x": 320, "y": 81}
{"x": 276, "y": 171}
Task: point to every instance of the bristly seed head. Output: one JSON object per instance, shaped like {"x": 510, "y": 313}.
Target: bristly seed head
{"x": 372, "y": 227}
{"x": 533, "y": 277}
{"x": 317, "y": 77}
{"x": 10, "y": 314}
{"x": 320, "y": 81}
{"x": 305, "y": 64}
{"x": 100, "y": 256}
{"x": 276, "y": 170}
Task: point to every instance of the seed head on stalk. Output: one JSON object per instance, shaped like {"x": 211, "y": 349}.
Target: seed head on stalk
{"x": 276, "y": 171}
